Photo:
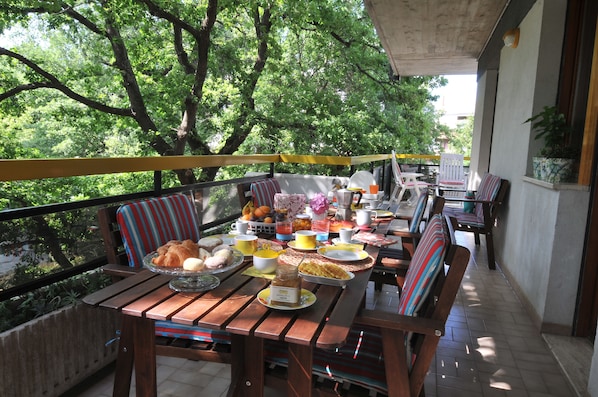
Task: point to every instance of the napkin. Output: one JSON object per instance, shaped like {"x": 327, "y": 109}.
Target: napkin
{"x": 253, "y": 272}
{"x": 376, "y": 239}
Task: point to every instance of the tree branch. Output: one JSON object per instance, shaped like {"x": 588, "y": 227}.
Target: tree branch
{"x": 156, "y": 11}
{"x": 22, "y": 88}
{"x": 53, "y": 82}
{"x": 181, "y": 54}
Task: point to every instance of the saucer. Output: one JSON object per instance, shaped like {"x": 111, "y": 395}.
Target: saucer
{"x": 292, "y": 245}
{"x": 337, "y": 241}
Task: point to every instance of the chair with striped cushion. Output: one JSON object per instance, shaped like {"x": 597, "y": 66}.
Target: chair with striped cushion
{"x": 263, "y": 192}
{"x": 391, "y": 266}
{"x": 390, "y": 353}
{"x": 143, "y": 226}
{"x": 488, "y": 199}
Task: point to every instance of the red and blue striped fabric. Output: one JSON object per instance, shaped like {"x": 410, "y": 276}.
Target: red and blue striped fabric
{"x": 358, "y": 362}
{"x": 425, "y": 265}
{"x": 418, "y": 213}
{"x": 487, "y": 191}
{"x": 180, "y": 331}
{"x": 263, "y": 192}
{"x": 148, "y": 224}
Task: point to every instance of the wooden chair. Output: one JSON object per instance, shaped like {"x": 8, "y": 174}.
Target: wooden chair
{"x": 392, "y": 263}
{"x": 260, "y": 191}
{"x": 489, "y": 197}
{"x": 124, "y": 259}
{"x": 391, "y": 353}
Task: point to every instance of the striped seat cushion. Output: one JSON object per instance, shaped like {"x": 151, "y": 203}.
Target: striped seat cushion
{"x": 179, "y": 331}
{"x": 146, "y": 225}
{"x": 360, "y": 360}
{"x": 418, "y": 213}
{"x": 263, "y": 192}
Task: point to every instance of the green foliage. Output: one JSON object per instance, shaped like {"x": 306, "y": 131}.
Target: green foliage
{"x": 552, "y": 126}
{"x": 45, "y": 300}
{"x": 325, "y": 81}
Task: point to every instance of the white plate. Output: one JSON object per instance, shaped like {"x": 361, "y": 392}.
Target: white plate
{"x": 383, "y": 214}
{"x": 293, "y": 243}
{"x": 337, "y": 241}
{"x": 335, "y": 282}
{"x": 306, "y": 300}
{"x": 342, "y": 254}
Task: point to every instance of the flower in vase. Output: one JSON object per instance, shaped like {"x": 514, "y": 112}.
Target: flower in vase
{"x": 319, "y": 204}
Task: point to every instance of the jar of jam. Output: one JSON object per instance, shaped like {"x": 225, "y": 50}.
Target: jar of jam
{"x": 302, "y": 222}
{"x": 285, "y": 289}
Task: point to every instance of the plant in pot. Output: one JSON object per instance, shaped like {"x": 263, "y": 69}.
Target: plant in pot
{"x": 555, "y": 162}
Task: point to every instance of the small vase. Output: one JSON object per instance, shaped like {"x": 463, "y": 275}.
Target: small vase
{"x": 318, "y": 217}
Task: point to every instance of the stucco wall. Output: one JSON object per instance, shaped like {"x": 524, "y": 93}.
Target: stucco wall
{"x": 539, "y": 234}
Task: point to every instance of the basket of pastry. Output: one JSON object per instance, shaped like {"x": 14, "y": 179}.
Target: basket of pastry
{"x": 325, "y": 273}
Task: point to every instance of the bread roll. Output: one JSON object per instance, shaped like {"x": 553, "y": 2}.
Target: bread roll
{"x": 203, "y": 254}
{"x": 215, "y": 262}
{"x": 193, "y": 264}
{"x": 209, "y": 243}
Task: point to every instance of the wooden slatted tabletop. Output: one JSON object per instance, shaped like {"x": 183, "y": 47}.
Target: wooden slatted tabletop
{"x": 233, "y": 306}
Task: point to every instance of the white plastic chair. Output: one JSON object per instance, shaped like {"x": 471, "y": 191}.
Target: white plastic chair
{"x": 451, "y": 174}
{"x": 405, "y": 181}
{"x": 362, "y": 179}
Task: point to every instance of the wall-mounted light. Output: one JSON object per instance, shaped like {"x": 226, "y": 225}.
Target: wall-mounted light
{"x": 511, "y": 38}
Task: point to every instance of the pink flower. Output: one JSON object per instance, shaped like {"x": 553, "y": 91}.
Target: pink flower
{"x": 319, "y": 204}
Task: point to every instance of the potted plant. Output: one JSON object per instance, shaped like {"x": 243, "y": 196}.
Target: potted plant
{"x": 555, "y": 162}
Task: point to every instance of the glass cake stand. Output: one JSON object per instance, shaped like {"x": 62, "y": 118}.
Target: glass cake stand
{"x": 192, "y": 281}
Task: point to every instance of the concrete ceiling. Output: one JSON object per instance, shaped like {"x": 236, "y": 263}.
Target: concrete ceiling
{"x": 434, "y": 37}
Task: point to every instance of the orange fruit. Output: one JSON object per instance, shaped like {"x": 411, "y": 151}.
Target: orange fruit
{"x": 265, "y": 209}
{"x": 258, "y": 213}
{"x": 246, "y": 217}
{"x": 268, "y": 219}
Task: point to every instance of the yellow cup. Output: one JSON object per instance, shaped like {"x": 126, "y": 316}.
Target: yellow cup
{"x": 247, "y": 244}
{"x": 305, "y": 239}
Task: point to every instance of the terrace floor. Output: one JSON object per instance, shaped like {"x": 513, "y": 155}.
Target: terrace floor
{"x": 490, "y": 349}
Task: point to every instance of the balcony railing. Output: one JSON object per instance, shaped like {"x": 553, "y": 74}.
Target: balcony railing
{"x": 217, "y": 201}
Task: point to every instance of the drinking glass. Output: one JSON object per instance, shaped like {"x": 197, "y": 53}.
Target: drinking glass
{"x": 322, "y": 228}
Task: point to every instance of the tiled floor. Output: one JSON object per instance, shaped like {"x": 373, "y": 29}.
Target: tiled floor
{"x": 490, "y": 348}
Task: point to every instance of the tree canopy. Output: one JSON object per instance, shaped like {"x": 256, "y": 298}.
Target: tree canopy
{"x": 95, "y": 78}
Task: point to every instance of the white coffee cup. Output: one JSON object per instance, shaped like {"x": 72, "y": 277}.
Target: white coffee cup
{"x": 364, "y": 217}
{"x": 241, "y": 226}
{"x": 346, "y": 234}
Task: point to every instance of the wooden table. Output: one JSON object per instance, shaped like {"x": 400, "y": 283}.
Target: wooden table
{"x": 231, "y": 306}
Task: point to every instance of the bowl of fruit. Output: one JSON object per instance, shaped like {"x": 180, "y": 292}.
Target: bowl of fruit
{"x": 260, "y": 219}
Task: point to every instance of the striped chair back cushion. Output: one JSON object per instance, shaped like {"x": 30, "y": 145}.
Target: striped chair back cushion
{"x": 418, "y": 213}
{"x": 146, "y": 225}
{"x": 263, "y": 192}
{"x": 425, "y": 265}
{"x": 487, "y": 191}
